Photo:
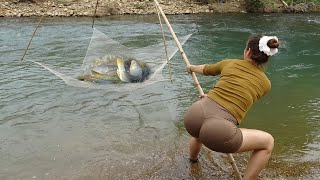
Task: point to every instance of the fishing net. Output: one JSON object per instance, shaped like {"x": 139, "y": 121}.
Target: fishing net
{"x": 104, "y": 50}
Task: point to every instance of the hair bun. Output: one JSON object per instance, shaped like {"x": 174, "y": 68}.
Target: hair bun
{"x": 273, "y": 43}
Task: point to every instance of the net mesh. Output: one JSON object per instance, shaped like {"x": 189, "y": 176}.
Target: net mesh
{"x": 102, "y": 47}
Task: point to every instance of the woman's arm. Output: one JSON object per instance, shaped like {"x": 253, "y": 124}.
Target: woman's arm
{"x": 195, "y": 68}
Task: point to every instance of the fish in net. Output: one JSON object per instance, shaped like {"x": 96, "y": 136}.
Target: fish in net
{"x": 110, "y": 65}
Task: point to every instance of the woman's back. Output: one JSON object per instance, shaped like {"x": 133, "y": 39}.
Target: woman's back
{"x": 240, "y": 85}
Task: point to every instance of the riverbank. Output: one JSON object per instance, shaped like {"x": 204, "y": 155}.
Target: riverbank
{"x": 65, "y": 8}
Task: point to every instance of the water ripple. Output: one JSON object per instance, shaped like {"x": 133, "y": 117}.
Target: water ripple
{"x": 51, "y": 130}
{"x": 296, "y": 67}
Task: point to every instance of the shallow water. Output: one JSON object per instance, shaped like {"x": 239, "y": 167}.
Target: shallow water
{"x": 49, "y": 130}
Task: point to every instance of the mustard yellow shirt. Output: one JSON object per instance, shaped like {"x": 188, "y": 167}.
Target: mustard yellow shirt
{"x": 240, "y": 85}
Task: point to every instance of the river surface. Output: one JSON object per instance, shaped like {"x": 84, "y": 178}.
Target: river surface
{"x": 50, "y": 130}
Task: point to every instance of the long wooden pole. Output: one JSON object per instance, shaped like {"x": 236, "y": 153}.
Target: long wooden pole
{"x": 194, "y": 77}
{"x": 165, "y": 44}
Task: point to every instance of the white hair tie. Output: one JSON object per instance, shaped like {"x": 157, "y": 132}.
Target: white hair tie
{"x": 263, "y": 45}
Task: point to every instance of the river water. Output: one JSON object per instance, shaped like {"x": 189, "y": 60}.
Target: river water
{"x": 50, "y": 130}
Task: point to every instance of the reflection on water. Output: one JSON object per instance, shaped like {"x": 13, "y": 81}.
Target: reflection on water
{"x": 49, "y": 130}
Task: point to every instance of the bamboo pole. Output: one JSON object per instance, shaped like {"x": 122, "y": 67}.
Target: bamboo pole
{"x": 165, "y": 44}
{"x": 194, "y": 77}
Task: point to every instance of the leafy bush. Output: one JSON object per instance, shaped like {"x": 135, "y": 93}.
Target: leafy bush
{"x": 254, "y": 5}
{"x": 207, "y": 1}
{"x": 293, "y": 2}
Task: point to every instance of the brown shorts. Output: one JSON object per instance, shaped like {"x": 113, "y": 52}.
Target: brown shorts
{"x": 213, "y": 125}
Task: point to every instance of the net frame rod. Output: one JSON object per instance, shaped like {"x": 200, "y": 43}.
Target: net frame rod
{"x": 95, "y": 13}
{"x": 33, "y": 34}
{"x": 165, "y": 43}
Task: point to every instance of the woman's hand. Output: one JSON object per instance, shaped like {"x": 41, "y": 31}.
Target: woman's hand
{"x": 195, "y": 68}
{"x": 203, "y": 96}
{"x": 189, "y": 69}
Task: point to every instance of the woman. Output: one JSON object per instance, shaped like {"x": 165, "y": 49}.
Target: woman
{"x": 213, "y": 119}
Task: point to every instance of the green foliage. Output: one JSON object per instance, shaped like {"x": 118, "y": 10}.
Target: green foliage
{"x": 139, "y": 6}
{"x": 254, "y": 5}
{"x": 25, "y": 1}
{"x": 293, "y": 2}
{"x": 207, "y": 1}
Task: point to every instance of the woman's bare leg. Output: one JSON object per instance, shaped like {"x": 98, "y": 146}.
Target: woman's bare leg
{"x": 261, "y": 143}
{"x": 194, "y": 148}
